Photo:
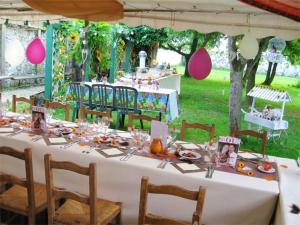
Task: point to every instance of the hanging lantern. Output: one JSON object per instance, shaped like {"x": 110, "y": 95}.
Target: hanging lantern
{"x": 249, "y": 47}
{"x": 92, "y": 10}
{"x": 200, "y": 64}
{"x": 36, "y": 51}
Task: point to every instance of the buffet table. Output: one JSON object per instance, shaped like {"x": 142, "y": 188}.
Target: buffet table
{"x": 230, "y": 199}
{"x": 166, "y": 78}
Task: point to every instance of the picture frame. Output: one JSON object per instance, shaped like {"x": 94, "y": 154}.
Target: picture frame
{"x": 39, "y": 115}
{"x": 228, "y": 148}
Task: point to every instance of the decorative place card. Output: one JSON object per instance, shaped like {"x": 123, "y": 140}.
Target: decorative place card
{"x": 39, "y": 119}
{"x": 55, "y": 140}
{"x": 159, "y": 130}
{"x": 110, "y": 152}
{"x": 6, "y": 130}
{"x": 190, "y": 146}
{"x": 187, "y": 168}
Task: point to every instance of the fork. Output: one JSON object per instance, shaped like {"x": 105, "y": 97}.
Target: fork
{"x": 128, "y": 156}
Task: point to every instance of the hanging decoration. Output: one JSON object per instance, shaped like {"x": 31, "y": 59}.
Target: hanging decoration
{"x": 200, "y": 64}
{"x": 14, "y": 52}
{"x": 275, "y": 48}
{"x": 93, "y": 10}
{"x": 249, "y": 46}
{"x": 36, "y": 51}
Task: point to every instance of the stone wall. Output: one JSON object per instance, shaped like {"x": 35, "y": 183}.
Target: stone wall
{"x": 14, "y": 41}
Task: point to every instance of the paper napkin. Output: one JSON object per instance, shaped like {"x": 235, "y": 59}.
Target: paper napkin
{"x": 57, "y": 140}
{"x": 6, "y": 129}
{"x": 190, "y": 146}
{"x": 112, "y": 151}
{"x": 186, "y": 166}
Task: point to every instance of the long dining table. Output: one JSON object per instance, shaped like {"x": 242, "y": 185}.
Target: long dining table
{"x": 230, "y": 198}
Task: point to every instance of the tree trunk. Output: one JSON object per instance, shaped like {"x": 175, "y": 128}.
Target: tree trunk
{"x": 237, "y": 66}
{"x": 250, "y": 83}
{"x": 268, "y": 73}
{"x": 193, "y": 49}
{"x": 252, "y": 65}
{"x": 186, "y": 70}
{"x": 271, "y": 77}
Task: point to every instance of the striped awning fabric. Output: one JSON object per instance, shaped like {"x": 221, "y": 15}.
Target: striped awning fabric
{"x": 269, "y": 94}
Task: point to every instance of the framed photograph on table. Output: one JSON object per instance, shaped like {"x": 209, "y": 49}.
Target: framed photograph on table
{"x": 228, "y": 148}
{"x": 39, "y": 119}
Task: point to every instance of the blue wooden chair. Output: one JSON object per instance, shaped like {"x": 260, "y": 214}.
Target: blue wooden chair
{"x": 77, "y": 91}
{"x": 102, "y": 97}
{"x": 125, "y": 100}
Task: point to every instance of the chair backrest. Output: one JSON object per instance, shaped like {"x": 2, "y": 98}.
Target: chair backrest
{"x": 103, "y": 96}
{"x": 54, "y": 105}
{"x": 57, "y": 193}
{"x": 146, "y": 187}
{"x": 262, "y": 135}
{"x": 125, "y": 99}
{"x": 16, "y": 99}
{"x": 28, "y": 182}
{"x": 211, "y": 129}
{"x": 132, "y": 116}
{"x": 78, "y": 90}
{"x": 85, "y": 112}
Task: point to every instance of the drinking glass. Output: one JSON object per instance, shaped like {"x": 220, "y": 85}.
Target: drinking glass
{"x": 106, "y": 123}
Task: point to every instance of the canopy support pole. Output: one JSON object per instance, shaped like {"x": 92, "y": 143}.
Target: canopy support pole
{"x": 128, "y": 50}
{"x": 49, "y": 62}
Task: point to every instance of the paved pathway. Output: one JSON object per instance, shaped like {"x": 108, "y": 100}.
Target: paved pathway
{"x": 24, "y": 92}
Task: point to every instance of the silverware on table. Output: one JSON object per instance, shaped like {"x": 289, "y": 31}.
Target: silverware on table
{"x": 165, "y": 163}
{"x": 35, "y": 139}
{"x": 15, "y": 133}
{"x": 69, "y": 144}
{"x": 128, "y": 156}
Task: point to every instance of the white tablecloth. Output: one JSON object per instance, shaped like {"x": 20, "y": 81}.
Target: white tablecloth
{"x": 289, "y": 192}
{"x": 230, "y": 199}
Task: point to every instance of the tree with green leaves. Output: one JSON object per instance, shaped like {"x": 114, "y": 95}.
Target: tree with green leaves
{"x": 292, "y": 51}
{"x": 187, "y": 42}
{"x": 143, "y": 38}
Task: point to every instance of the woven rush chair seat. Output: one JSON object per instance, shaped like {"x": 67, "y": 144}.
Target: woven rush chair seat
{"x": 24, "y": 197}
{"x": 73, "y": 212}
{"x": 16, "y": 198}
{"x": 78, "y": 208}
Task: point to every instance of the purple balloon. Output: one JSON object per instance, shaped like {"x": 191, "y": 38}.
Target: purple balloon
{"x": 200, "y": 64}
{"x": 36, "y": 51}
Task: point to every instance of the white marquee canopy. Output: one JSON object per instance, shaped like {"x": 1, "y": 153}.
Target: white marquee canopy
{"x": 230, "y": 17}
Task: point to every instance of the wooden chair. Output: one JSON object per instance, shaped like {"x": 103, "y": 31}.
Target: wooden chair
{"x": 262, "y": 135}
{"x": 132, "y": 117}
{"x": 78, "y": 209}
{"x": 185, "y": 125}
{"x": 84, "y": 112}
{"x": 16, "y": 99}
{"x": 146, "y": 218}
{"x": 55, "y": 105}
{"x": 25, "y": 197}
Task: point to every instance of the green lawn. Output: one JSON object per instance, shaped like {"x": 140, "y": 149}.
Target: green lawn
{"x": 207, "y": 102}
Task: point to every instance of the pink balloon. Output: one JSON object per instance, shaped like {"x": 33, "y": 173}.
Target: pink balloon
{"x": 36, "y": 51}
{"x": 200, "y": 64}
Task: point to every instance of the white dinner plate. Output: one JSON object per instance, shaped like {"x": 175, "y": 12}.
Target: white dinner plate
{"x": 195, "y": 155}
{"x": 261, "y": 168}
